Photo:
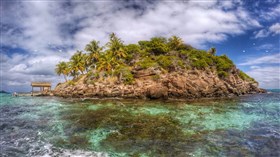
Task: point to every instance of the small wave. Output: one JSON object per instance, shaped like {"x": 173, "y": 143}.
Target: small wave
{"x": 50, "y": 151}
{"x": 248, "y": 105}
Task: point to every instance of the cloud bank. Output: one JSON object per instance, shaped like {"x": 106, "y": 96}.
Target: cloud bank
{"x": 271, "y": 59}
{"x": 265, "y": 69}
{"x": 272, "y": 30}
{"x": 38, "y": 34}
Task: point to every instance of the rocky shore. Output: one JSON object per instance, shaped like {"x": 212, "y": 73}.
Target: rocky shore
{"x": 153, "y": 84}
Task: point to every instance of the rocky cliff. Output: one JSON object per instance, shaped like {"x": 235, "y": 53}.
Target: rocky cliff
{"x": 154, "y": 84}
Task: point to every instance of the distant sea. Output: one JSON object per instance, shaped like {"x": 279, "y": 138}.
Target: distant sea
{"x": 50, "y": 126}
{"x": 274, "y": 90}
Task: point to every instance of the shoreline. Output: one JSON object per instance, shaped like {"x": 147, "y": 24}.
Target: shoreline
{"x": 169, "y": 100}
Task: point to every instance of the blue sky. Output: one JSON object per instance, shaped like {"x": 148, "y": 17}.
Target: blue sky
{"x": 36, "y": 35}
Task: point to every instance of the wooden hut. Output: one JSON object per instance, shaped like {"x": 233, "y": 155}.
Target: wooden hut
{"x": 44, "y": 86}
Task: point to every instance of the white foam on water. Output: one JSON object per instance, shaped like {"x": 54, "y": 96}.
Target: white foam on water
{"x": 247, "y": 105}
{"x": 50, "y": 151}
{"x": 96, "y": 136}
{"x": 152, "y": 110}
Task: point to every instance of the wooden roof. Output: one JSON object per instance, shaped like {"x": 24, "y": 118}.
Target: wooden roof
{"x": 40, "y": 84}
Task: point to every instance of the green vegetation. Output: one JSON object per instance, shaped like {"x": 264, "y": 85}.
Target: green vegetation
{"x": 124, "y": 74}
{"x": 147, "y": 62}
{"x": 115, "y": 59}
{"x": 246, "y": 77}
{"x": 223, "y": 65}
{"x": 126, "y": 129}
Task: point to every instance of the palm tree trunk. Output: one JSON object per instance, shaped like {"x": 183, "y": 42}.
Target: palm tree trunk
{"x": 65, "y": 78}
{"x": 120, "y": 78}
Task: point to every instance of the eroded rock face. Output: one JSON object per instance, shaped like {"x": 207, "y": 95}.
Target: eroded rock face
{"x": 157, "y": 91}
{"x": 187, "y": 84}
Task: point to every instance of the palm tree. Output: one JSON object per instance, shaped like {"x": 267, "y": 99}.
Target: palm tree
{"x": 78, "y": 62}
{"x": 107, "y": 62}
{"x": 212, "y": 51}
{"x": 175, "y": 42}
{"x": 62, "y": 68}
{"x": 116, "y": 46}
{"x": 94, "y": 52}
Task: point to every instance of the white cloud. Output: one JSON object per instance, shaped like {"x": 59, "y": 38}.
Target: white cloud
{"x": 272, "y": 30}
{"x": 266, "y": 46}
{"x": 254, "y": 67}
{"x": 275, "y": 28}
{"x": 227, "y": 4}
{"x": 50, "y": 31}
{"x": 267, "y": 76}
{"x": 265, "y": 69}
{"x": 261, "y": 33}
{"x": 270, "y": 59}
{"x": 37, "y": 65}
{"x": 270, "y": 14}
{"x": 3, "y": 58}
{"x": 50, "y": 22}
{"x": 19, "y": 70}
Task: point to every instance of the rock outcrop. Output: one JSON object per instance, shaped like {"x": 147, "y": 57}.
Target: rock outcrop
{"x": 149, "y": 83}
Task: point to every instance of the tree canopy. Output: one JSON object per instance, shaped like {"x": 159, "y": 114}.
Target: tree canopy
{"x": 118, "y": 59}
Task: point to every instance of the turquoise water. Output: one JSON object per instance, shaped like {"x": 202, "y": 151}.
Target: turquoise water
{"x": 50, "y": 126}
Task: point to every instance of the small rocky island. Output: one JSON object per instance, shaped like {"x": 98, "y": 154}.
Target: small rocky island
{"x": 158, "y": 68}
{"x": 2, "y": 91}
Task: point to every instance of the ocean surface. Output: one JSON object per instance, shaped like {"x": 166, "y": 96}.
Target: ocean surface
{"x": 50, "y": 126}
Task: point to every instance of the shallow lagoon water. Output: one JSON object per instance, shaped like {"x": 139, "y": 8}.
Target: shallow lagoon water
{"x": 50, "y": 126}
